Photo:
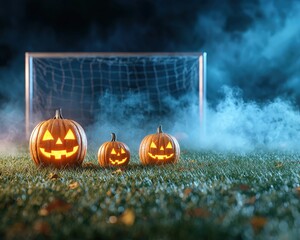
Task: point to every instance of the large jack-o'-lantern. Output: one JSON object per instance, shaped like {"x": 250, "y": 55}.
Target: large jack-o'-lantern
{"x": 59, "y": 142}
{"x": 159, "y": 148}
{"x": 113, "y": 153}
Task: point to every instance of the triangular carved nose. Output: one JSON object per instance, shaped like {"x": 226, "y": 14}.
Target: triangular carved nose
{"x": 58, "y": 141}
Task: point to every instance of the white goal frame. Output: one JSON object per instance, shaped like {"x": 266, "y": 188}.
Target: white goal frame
{"x": 29, "y": 75}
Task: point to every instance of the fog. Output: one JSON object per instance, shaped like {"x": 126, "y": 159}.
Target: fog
{"x": 253, "y": 66}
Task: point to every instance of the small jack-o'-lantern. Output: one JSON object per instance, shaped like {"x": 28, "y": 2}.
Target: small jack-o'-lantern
{"x": 59, "y": 142}
{"x": 113, "y": 153}
{"x": 159, "y": 148}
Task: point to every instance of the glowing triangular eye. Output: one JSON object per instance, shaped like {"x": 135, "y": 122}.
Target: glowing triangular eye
{"x": 47, "y": 136}
{"x": 113, "y": 151}
{"x": 70, "y": 135}
{"x": 153, "y": 145}
{"x": 122, "y": 150}
{"x": 169, "y": 145}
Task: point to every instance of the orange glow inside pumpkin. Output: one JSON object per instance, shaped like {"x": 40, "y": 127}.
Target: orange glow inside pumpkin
{"x": 162, "y": 156}
{"x": 116, "y": 158}
{"x": 57, "y": 154}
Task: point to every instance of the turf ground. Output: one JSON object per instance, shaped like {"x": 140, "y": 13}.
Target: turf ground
{"x": 204, "y": 196}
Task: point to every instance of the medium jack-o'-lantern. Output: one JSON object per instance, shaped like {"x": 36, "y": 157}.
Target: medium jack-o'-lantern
{"x": 59, "y": 142}
{"x": 159, "y": 148}
{"x": 113, "y": 153}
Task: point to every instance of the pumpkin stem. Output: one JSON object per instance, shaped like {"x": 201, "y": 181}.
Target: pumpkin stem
{"x": 58, "y": 114}
{"x": 113, "y": 137}
{"x": 159, "y": 129}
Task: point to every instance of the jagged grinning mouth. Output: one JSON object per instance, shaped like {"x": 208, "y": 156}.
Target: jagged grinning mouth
{"x": 118, "y": 162}
{"x": 58, "y": 153}
{"x": 160, "y": 157}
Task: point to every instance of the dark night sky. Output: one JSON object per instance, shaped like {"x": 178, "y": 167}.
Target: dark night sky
{"x": 252, "y": 45}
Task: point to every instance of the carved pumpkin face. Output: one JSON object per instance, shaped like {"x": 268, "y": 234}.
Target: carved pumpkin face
{"x": 58, "y": 147}
{"x": 59, "y": 142}
{"x": 118, "y": 155}
{"x": 113, "y": 153}
{"x": 159, "y": 148}
{"x": 162, "y": 152}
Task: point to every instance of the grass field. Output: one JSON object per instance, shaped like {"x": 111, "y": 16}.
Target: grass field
{"x": 204, "y": 196}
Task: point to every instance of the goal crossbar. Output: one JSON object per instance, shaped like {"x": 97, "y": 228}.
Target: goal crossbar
{"x": 29, "y": 81}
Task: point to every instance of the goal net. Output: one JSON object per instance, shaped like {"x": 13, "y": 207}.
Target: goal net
{"x": 113, "y": 87}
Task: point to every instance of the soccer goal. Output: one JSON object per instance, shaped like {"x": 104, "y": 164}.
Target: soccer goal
{"x": 99, "y": 87}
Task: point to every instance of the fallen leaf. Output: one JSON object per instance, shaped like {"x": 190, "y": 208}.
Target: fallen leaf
{"x": 250, "y": 201}
{"x": 113, "y": 219}
{"x": 53, "y": 176}
{"x": 278, "y": 164}
{"x": 57, "y": 206}
{"x": 89, "y": 165}
{"x": 187, "y": 192}
{"x": 199, "y": 212}
{"x": 109, "y": 193}
{"x": 42, "y": 227}
{"x": 17, "y": 231}
{"x": 258, "y": 223}
{"x": 244, "y": 187}
{"x": 297, "y": 190}
{"x": 73, "y": 185}
{"x": 118, "y": 171}
{"x": 127, "y": 218}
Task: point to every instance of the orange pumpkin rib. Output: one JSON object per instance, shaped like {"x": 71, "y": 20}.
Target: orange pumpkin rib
{"x": 103, "y": 154}
{"x": 83, "y": 138}
{"x": 33, "y": 146}
{"x": 83, "y": 141}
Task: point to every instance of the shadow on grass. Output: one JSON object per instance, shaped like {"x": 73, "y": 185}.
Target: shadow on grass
{"x": 131, "y": 166}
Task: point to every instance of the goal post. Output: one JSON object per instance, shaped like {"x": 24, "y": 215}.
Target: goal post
{"x": 88, "y": 86}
